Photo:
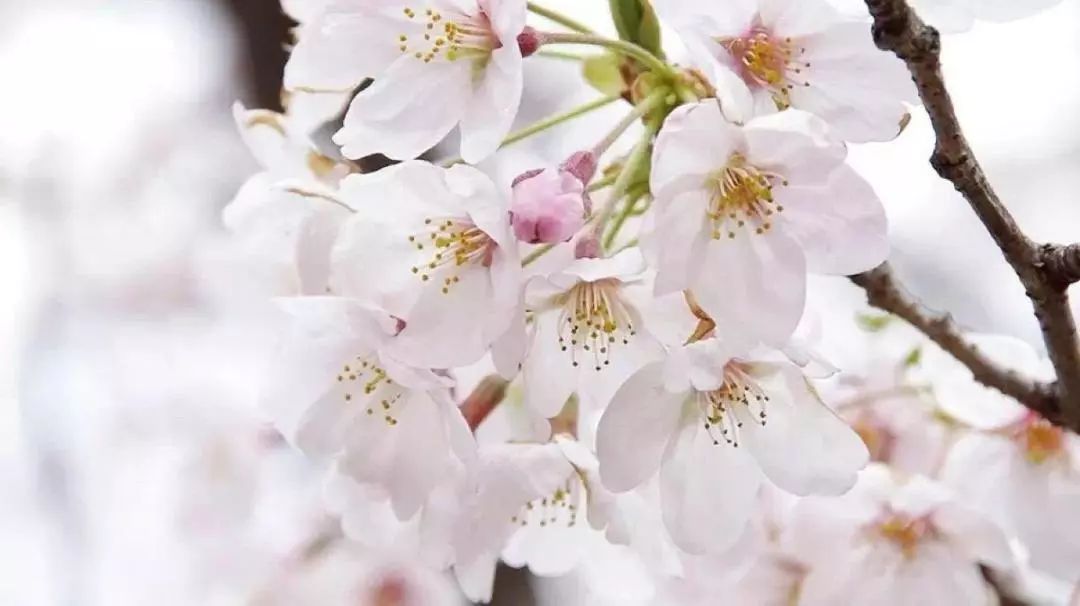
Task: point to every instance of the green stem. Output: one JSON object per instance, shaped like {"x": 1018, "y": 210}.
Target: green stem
{"x": 565, "y": 56}
{"x": 654, "y": 100}
{"x": 558, "y": 17}
{"x": 620, "y": 219}
{"x": 637, "y": 156}
{"x": 600, "y": 183}
{"x": 547, "y": 123}
{"x": 629, "y": 49}
{"x": 536, "y": 254}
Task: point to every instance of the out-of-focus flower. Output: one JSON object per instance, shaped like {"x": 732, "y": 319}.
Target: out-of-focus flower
{"x": 586, "y": 335}
{"x": 713, "y": 420}
{"x": 435, "y": 66}
{"x": 960, "y": 15}
{"x": 896, "y": 541}
{"x": 335, "y": 394}
{"x": 742, "y": 212}
{"x": 285, "y": 218}
{"x": 433, "y": 248}
{"x": 769, "y": 55}
{"x": 1014, "y": 465}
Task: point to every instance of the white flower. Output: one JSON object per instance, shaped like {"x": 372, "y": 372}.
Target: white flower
{"x": 897, "y": 543}
{"x": 742, "y": 212}
{"x": 586, "y": 333}
{"x": 334, "y": 394}
{"x": 433, "y": 248}
{"x": 960, "y": 15}
{"x": 769, "y": 55}
{"x": 712, "y": 421}
{"x": 285, "y": 217}
{"x": 436, "y": 64}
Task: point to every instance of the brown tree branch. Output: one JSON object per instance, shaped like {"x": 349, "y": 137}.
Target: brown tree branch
{"x": 899, "y": 30}
{"x": 1062, "y": 263}
{"x": 883, "y": 292}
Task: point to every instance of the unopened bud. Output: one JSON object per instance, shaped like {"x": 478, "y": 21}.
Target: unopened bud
{"x": 588, "y": 247}
{"x": 548, "y": 206}
{"x": 528, "y": 41}
{"x": 582, "y": 165}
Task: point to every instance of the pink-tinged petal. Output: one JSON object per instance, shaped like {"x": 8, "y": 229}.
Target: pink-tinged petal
{"x": 698, "y": 365}
{"x": 841, "y": 227}
{"x": 793, "y": 18}
{"x": 389, "y": 455}
{"x": 508, "y": 351}
{"x": 982, "y": 468}
{"x": 348, "y": 42}
{"x": 794, "y": 144}
{"x": 803, "y": 447}
{"x": 678, "y": 241}
{"x": 974, "y": 535}
{"x": 636, "y": 428}
{"x": 854, "y": 87}
{"x": 548, "y": 373}
{"x": 625, "y": 266}
{"x": 493, "y": 105}
{"x": 266, "y": 136}
{"x": 443, "y": 329}
{"x": 707, "y": 492}
{"x": 711, "y": 19}
{"x": 395, "y": 116}
{"x": 507, "y": 18}
{"x": 694, "y": 141}
{"x": 753, "y": 286}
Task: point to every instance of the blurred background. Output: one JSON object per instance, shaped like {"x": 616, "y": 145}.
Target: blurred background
{"x": 134, "y": 466}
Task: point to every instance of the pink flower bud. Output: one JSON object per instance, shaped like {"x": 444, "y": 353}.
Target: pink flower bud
{"x": 548, "y": 206}
{"x": 528, "y": 41}
{"x": 581, "y": 164}
{"x": 588, "y": 247}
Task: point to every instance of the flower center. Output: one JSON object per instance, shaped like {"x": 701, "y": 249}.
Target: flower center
{"x": 594, "y": 319}
{"x": 768, "y": 62}
{"x": 741, "y": 198}
{"x": 450, "y": 246}
{"x": 904, "y": 531}
{"x": 1040, "y": 439}
{"x": 558, "y": 508}
{"x": 364, "y": 382}
{"x": 723, "y": 409}
{"x": 448, "y": 37}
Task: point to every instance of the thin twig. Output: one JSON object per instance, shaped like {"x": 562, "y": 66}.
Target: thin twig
{"x": 883, "y": 292}
{"x": 899, "y": 30}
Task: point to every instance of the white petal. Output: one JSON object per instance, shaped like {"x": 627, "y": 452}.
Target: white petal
{"x": 679, "y": 240}
{"x": 753, "y": 286}
{"x": 345, "y": 44}
{"x": 694, "y": 141}
{"x": 548, "y": 374}
{"x": 707, "y": 491}
{"x": 804, "y": 448}
{"x": 842, "y": 227}
{"x": 493, "y": 105}
{"x": 636, "y": 428}
{"x": 395, "y": 116}
{"x": 795, "y": 145}
{"x": 977, "y": 537}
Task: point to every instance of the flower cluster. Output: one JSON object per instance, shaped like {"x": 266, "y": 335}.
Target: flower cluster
{"x": 636, "y": 304}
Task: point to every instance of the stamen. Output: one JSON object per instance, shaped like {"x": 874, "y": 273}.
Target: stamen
{"x": 724, "y": 409}
{"x": 769, "y": 62}
{"x": 741, "y": 196}
{"x": 377, "y": 393}
{"x": 448, "y": 36}
{"x": 594, "y": 319}
{"x": 454, "y": 244}
{"x": 560, "y": 508}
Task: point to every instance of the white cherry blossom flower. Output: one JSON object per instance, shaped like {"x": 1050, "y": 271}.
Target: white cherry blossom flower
{"x": 336, "y": 395}
{"x": 432, "y": 247}
{"x": 285, "y": 217}
{"x": 897, "y": 542}
{"x": 436, "y": 64}
{"x": 743, "y": 212}
{"x": 714, "y": 422}
{"x": 586, "y": 334}
{"x": 769, "y": 55}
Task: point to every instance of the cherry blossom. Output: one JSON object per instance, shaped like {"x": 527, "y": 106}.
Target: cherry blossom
{"x": 285, "y": 218}
{"x": 897, "y": 541}
{"x": 548, "y": 206}
{"x": 586, "y": 334}
{"x": 716, "y": 422}
{"x": 436, "y": 256}
{"x": 335, "y": 394}
{"x": 436, "y": 64}
{"x": 768, "y": 55}
{"x": 750, "y": 209}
